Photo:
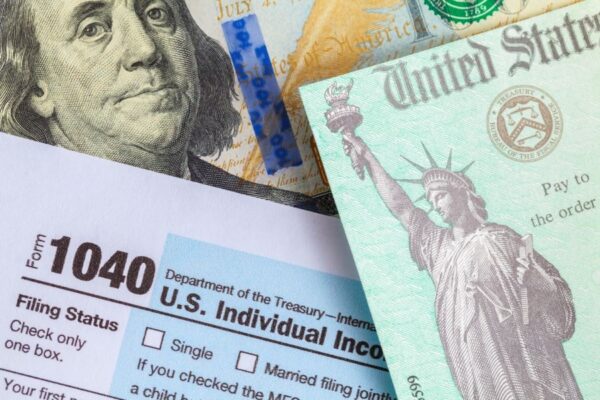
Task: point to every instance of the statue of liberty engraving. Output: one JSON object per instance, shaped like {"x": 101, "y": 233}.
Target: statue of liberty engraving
{"x": 502, "y": 310}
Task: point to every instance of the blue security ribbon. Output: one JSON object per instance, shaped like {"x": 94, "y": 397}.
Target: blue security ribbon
{"x": 262, "y": 94}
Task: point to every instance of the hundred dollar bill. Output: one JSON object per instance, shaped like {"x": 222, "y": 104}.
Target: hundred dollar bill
{"x": 194, "y": 88}
{"x": 468, "y": 183}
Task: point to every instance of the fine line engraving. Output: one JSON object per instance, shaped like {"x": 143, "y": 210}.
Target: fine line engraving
{"x": 502, "y": 310}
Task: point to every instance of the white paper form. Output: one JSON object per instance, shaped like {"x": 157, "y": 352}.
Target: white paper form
{"x": 119, "y": 283}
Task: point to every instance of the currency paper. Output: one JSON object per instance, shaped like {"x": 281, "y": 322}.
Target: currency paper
{"x": 194, "y": 88}
{"x": 467, "y": 179}
{"x": 118, "y": 283}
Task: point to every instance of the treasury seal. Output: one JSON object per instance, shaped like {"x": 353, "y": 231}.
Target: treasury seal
{"x": 525, "y": 123}
{"x": 464, "y": 11}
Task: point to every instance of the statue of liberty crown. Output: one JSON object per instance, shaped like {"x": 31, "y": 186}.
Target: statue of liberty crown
{"x": 436, "y": 174}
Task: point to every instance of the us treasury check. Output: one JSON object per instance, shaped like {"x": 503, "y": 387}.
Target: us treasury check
{"x": 467, "y": 181}
{"x": 123, "y": 284}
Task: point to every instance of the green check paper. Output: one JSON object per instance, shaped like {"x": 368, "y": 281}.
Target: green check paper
{"x": 468, "y": 182}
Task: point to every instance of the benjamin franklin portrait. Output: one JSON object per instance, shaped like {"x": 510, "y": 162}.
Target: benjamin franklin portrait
{"x": 133, "y": 81}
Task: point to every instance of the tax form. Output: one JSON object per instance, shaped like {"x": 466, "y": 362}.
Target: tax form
{"x": 119, "y": 283}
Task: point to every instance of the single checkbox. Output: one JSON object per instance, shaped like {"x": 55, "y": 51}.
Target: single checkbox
{"x": 153, "y": 338}
{"x": 247, "y": 362}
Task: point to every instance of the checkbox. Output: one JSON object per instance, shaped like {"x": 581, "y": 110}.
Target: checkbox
{"x": 246, "y": 362}
{"x": 153, "y": 338}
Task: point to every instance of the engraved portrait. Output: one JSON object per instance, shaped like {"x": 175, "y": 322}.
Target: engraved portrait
{"x": 133, "y": 81}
